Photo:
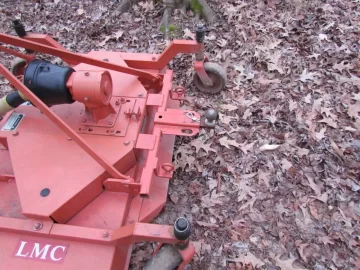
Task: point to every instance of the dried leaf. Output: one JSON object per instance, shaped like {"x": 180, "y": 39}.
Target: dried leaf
{"x": 285, "y": 264}
{"x": 247, "y": 114}
{"x": 229, "y": 107}
{"x": 264, "y": 81}
{"x": 197, "y": 247}
{"x": 226, "y": 119}
{"x": 354, "y": 109}
{"x": 119, "y": 34}
{"x": 292, "y": 105}
{"x": 265, "y": 177}
{"x": 247, "y": 147}
{"x": 80, "y": 11}
{"x": 302, "y": 151}
{"x": 329, "y": 122}
{"x": 328, "y": 113}
{"x": 326, "y": 240}
{"x": 336, "y": 148}
{"x": 267, "y": 147}
{"x": 343, "y": 65}
{"x": 307, "y": 76}
{"x": 315, "y": 187}
{"x": 321, "y": 134}
{"x": 307, "y": 99}
{"x": 205, "y": 224}
{"x": 226, "y": 142}
{"x": 322, "y": 37}
{"x": 188, "y": 34}
{"x": 249, "y": 258}
{"x": 102, "y": 43}
{"x": 285, "y": 165}
{"x": 199, "y": 144}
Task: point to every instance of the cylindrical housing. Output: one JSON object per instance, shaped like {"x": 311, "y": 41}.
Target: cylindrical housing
{"x": 200, "y": 33}
{"x": 93, "y": 88}
{"x": 48, "y": 82}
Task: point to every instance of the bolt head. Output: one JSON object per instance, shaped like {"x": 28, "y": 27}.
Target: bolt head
{"x": 211, "y": 115}
{"x": 140, "y": 95}
{"x": 87, "y": 73}
{"x": 86, "y": 98}
{"x": 37, "y": 226}
{"x": 15, "y": 133}
{"x": 127, "y": 142}
{"x": 105, "y": 234}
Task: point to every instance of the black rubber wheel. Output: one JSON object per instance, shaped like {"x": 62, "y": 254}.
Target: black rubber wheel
{"x": 167, "y": 258}
{"x": 18, "y": 66}
{"x": 218, "y": 76}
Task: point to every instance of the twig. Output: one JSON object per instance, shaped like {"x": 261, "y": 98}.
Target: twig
{"x": 218, "y": 183}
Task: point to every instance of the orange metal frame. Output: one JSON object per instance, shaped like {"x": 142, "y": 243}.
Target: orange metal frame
{"x": 136, "y": 175}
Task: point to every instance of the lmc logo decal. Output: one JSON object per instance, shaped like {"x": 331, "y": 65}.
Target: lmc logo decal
{"x": 41, "y": 251}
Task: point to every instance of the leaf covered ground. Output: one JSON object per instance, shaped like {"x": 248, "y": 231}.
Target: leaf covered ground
{"x": 276, "y": 184}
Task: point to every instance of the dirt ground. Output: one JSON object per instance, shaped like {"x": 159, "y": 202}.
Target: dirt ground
{"x": 276, "y": 184}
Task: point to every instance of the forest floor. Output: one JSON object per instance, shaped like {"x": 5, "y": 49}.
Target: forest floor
{"x": 276, "y": 184}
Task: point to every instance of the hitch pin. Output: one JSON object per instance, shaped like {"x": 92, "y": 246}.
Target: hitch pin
{"x": 191, "y": 115}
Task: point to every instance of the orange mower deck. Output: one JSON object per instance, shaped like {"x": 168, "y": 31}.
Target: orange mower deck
{"x": 80, "y": 182}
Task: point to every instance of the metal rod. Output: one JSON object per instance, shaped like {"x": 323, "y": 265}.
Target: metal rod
{"x": 18, "y": 54}
{"x": 19, "y": 42}
{"x": 60, "y": 123}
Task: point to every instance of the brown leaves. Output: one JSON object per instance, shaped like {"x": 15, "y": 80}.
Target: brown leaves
{"x": 307, "y": 76}
{"x": 224, "y": 141}
{"x": 200, "y": 144}
{"x": 330, "y": 122}
{"x": 315, "y": 187}
{"x": 286, "y": 264}
{"x": 248, "y": 258}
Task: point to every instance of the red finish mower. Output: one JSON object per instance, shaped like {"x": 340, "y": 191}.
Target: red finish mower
{"x": 86, "y": 152}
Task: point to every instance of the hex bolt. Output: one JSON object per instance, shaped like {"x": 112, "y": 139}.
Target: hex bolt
{"x": 15, "y": 133}
{"x": 83, "y": 120}
{"x": 140, "y": 95}
{"x": 105, "y": 234}
{"x": 106, "y": 60}
{"x": 87, "y": 73}
{"x": 86, "y": 98}
{"x": 154, "y": 58}
{"x": 126, "y": 142}
{"x": 37, "y": 226}
{"x": 69, "y": 139}
{"x": 117, "y": 102}
{"x": 110, "y": 122}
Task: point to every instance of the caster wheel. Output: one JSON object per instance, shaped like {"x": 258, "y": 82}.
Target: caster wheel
{"x": 218, "y": 76}
{"x": 167, "y": 258}
{"x": 18, "y": 66}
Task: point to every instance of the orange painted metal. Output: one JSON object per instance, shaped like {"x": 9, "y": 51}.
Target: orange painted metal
{"x": 97, "y": 214}
{"x": 27, "y": 57}
{"x": 158, "y": 62}
{"x": 61, "y": 124}
{"x": 76, "y": 58}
